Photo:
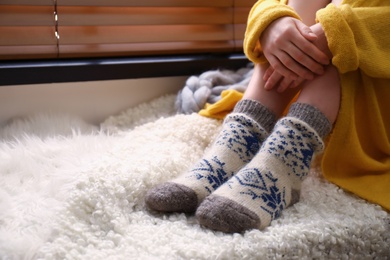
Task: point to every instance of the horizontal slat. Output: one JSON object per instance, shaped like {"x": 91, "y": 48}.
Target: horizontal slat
{"x": 139, "y": 34}
{"x": 137, "y": 49}
{"x": 143, "y": 15}
{"x": 27, "y": 2}
{"x": 26, "y": 15}
{"x": 198, "y": 3}
{"x": 148, "y": 3}
{"x": 37, "y": 16}
{"x": 121, "y": 27}
{"x": 24, "y": 36}
{"x": 239, "y": 31}
{"x": 244, "y": 3}
{"x": 241, "y": 15}
{"x": 29, "y": 52}
{"x": 238, "y": 46}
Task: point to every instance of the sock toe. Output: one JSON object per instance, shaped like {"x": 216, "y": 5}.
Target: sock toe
{"x": 172, "y": 197}
{"x": 222, "y": 214}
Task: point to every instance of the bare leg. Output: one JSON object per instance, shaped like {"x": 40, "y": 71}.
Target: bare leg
{"x": 275, "y": 101}
{"x": 337, "y": 2}
{"x": 307, "y": 9}
{"x": 323, "y": 93}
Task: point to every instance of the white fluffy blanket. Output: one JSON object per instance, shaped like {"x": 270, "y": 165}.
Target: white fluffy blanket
{"x": 69, "y": 190}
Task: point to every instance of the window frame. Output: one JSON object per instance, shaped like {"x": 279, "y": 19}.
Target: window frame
{"x": 95, "y": 69}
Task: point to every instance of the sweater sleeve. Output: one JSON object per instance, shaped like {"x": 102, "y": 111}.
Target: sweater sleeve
{"x": 358, "y": 37}
{"x": 262, "y": 14}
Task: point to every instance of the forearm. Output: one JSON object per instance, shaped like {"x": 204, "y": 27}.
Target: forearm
{"x": 307, "y": 9}
{"x": 321, "y": 42}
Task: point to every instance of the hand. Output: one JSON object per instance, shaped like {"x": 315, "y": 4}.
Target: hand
{"x": 273, "y": 79}
{"x": 321, "y": 42}
{"x": 288, "y": 46}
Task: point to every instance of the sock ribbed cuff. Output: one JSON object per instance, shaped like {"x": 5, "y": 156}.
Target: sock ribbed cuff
{"x": 312, "y": 116}
{"x": 258, "y": 112}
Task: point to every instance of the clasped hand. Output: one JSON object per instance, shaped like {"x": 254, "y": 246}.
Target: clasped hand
{"x": 288, "y": 45}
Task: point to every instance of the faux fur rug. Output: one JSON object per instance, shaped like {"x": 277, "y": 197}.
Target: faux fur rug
{"x": 69, "y": 190}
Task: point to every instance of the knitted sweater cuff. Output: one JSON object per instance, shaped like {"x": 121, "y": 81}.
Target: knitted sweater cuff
{"x": 262, "y": 14}
{"x": 340, "y": 38}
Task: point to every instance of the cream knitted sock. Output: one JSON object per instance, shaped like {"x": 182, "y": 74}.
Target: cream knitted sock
{"x": 240, "y": 139}
{"x": 260, "y": 191}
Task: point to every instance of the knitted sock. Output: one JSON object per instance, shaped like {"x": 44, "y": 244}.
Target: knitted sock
{"x": 259, "y": 192}
{"x": 242, "y": 133}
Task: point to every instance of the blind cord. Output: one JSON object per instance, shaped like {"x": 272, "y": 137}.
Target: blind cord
{"x": 56, "y": 32}
{"x": 234, "y": 25}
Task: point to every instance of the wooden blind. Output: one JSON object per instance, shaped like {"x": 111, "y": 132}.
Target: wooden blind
{"x": 91, "y": 28}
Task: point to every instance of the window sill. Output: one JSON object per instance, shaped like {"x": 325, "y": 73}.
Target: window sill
{"x": 77, "y": 70}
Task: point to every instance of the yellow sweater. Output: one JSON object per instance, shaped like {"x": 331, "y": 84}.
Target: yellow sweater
{"x": 357, "y": 156}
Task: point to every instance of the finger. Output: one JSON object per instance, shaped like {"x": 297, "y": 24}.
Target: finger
{"x": 278, "y": 66}
{"x": 284, "y": 84}
{"x": 310, "y": 49}
{"x": 273, "y": 80}
{"x": 294, "y": 66}
{"x": 306, "y": 61}
{"x": 268, "y": 73}
{"x": 305, "y": 31}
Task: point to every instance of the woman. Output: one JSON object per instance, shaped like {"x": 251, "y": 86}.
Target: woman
{"x": 333, "y": 60}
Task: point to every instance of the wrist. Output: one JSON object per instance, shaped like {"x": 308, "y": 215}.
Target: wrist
{"x": 321, "y": 42}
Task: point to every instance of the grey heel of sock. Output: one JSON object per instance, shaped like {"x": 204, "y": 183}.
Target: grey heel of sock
{"x": 172, "y": 197}
{"x": 222, "y": 214}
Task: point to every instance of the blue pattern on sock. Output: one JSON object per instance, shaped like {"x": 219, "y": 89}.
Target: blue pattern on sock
{"x": 291, "y": 148}
{"x": 211, "y": 170}
{"x": 241, "y": 138}
{"x": 240, "y": 135}
{"x": 263, "y": 186}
